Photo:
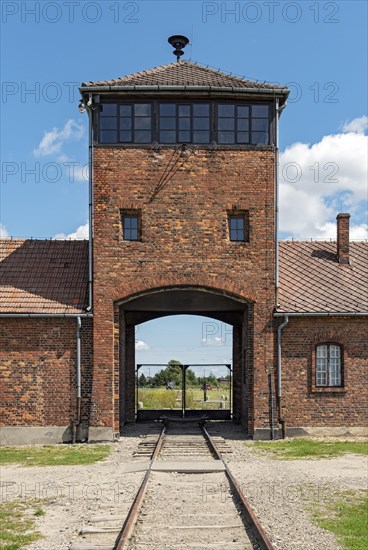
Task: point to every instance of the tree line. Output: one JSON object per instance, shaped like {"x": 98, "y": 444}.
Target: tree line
{"x": 172, "y": 377}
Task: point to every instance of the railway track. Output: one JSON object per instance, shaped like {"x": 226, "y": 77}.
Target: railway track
{"x": 188, "y": 499}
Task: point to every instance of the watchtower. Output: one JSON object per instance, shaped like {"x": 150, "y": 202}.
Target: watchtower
{"x": 184, "y": 221}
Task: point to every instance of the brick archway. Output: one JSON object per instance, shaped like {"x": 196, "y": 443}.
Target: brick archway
{"x": 209, "y": 302}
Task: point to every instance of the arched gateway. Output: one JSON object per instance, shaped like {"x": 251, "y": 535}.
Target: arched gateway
{"x": 203, "y": 301}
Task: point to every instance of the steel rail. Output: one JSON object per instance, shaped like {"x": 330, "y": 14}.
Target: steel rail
{"x": 129, "y": 524}
{"x": 255, "y": 526}
{"x": 131, "y": 519}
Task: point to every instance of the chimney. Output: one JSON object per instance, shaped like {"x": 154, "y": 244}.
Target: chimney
{"x": 343, "y": 238}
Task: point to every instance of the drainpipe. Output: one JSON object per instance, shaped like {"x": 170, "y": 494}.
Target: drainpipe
{"x": 278, "y": 111}
{"x": 77, "y": 418}
{"x": 87, "y": 105}
{"x": 279, "y": 386}
{"x": 90, "y": 208}
{"x": 277, "y": 201}
{"x": 272, "y": 428}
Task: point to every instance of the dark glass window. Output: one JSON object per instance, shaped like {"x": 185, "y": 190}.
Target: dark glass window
{"x": 182, "y": 123}
{"x": 242, "y": 124}
{"x": 108, "y": 123}
{"x": 131, "y": 222}
{"x": 130, "y": 123}
{"x": 238, "y": 226}
{"x": 328, "y": 365}
{"x": 173, "y": 123}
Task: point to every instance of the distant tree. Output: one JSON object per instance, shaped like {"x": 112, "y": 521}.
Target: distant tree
{"x": 191, "y": 377}
{"x": 172, "y": 372}
{"x": 142, "y": 381}
{"x": 210, "y": 380}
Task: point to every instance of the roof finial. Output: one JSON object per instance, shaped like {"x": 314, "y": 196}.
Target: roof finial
{"x": 178, "y": 42}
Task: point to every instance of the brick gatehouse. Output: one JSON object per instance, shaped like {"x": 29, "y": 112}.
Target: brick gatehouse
{"x": 183, "y": 212}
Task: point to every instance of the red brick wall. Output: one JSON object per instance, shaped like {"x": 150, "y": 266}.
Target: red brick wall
{"x": 38, "y": 368}
{"x": 303, "y": 404}
{"x": 184, "y": 242}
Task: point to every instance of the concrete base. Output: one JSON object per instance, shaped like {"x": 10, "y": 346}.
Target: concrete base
{"x": 96, "y": 434}
{"x": 264, "y": 434}
{"x": 36, "y": 435}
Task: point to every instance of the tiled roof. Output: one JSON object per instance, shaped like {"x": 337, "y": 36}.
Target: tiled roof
{"x": 312, "y": 280}
{"x": 52, "y": 277}
{"x": 184, "y": 73}
{"x": 43, "y": 276}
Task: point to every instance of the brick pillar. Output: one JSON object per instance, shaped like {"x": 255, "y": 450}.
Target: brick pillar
{"x": 343, "y": 238}
{"x": 263, "y": 363}
{"x": 247, "y": 374}
{"x": 130, "y": 373}
{"x": 237, "y": 372}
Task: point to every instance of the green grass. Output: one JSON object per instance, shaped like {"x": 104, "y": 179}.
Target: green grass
{"x": 347, "y": 518}
{"x": 309, "y": 448}
{"x": 57, "y": 455}
{"x": 161, "y": 398}
{"x": 17, "y": 525}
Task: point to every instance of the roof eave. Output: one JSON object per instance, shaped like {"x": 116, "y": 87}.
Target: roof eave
{"x": 276, "y": 92}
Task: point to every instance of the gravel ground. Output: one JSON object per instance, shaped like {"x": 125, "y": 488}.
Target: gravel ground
{"x": 284, "y": 493}
{"x": 281, "y": 492}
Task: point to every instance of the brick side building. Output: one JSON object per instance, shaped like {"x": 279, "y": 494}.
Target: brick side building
{"x": 184, "y": 217}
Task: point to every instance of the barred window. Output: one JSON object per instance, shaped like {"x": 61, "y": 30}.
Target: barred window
{"x": 328, "y": 365}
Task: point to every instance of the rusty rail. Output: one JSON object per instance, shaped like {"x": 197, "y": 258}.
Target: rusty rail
{"x": 256, "y": 528}
{"x": 132, "y": 516}
{"x": 258, "y": 532}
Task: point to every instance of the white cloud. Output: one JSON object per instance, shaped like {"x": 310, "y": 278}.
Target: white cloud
{"x": 52, "y": 141}
{"x": 80, "y": 233}
{"x": 216, "y": 341}
{"x": 3, "y": 232}
{"x": 357, "y": 125}
{"x": 357, "y": 232}
{"x": 140, "y": 345}
{"x": 317, "y": 181}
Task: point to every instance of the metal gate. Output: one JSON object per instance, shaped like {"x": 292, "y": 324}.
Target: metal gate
{"x": 184, "y": 391}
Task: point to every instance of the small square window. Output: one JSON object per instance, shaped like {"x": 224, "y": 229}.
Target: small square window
{"x": 238, "y": 226}
{"x": 131, "y": 223}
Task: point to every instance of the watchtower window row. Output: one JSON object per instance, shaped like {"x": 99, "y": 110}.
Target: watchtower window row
{"x": 171, "y": 123}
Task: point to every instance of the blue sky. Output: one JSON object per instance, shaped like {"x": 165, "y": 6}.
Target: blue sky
{"x": 318, "y": 48}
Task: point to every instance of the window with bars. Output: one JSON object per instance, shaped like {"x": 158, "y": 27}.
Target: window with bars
{"x": 131, "y": 223}
{"x": 328, "y": 365}
{"x": 238, "y": 226}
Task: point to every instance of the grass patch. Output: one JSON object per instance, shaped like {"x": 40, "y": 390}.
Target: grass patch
{"x": 57, "y": 455}
{"x": 347, "y": 519}
{"x": 309, "y": 448}
{"x": 17, "y": 525}
{"x": 161, "y": 398}
{"x": 153, "y": 398}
